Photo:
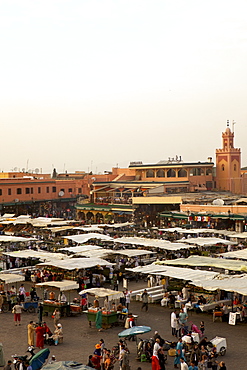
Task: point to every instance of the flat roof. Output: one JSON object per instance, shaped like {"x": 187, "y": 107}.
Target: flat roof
{"x": 172, "y": 164}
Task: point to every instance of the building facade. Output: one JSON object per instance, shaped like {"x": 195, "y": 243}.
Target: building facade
{"x": 228, "y": 165}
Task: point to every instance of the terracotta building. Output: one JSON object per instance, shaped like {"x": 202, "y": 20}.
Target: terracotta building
{"x": 228, "y": 165}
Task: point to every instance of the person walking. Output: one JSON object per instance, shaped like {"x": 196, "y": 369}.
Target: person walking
{"x": 145, "y": 296}
{"x": 30, "y": 333}
{"x": 16, "y": 310}
{"x": 179, "y": 353}
{"x": 127, "y": 298}
{"x": 22, "y": 293}
{"x": 56, "y": 317}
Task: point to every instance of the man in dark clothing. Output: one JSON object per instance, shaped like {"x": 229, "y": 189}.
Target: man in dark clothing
{"x": 8, "y": 366}
{"x": 145, "y": 296}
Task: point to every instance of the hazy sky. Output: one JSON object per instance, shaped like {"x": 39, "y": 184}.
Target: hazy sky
{"x": 91, "y": 84}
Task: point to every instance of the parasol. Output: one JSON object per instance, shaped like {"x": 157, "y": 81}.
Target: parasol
{"x": 135, "y": 330}
{"x": 39, "y": 359}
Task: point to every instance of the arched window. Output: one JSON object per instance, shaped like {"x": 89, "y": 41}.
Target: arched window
{"x": 160, "y": 173}
{"x": 150, "y": 173}
{"x": 209, "y": 171}
{"x": 171, "y": 173}
{"x": 182, "y": 173}
{"x": 195, "y": 172}
{"x": 223, "y": 167}
{"x": 235, "y": 167}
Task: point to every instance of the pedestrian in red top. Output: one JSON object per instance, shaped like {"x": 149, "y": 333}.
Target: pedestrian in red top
{"x": 40, "y": 331}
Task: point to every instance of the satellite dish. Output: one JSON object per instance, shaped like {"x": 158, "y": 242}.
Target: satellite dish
{"x": 23, "y": 169}
{"x": 29, "y": 171}
{"x": 16, "y": 200}
{"x": 15, "y": 169}
{"x": 36, "y": 170}
{"x": 218, "y": 202}
{"x": 61, "y": 193}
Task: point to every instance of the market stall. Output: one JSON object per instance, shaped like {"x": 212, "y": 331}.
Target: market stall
{"x": 65, "y": 307}
{"x": 7, "y": 279}
{"x": 109, "y": 317}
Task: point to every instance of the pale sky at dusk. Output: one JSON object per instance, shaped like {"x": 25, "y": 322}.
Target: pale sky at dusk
{"x": 90, "y": 84}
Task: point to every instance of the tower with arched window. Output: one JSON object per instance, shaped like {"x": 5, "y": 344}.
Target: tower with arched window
{"x": 228, "y": 164}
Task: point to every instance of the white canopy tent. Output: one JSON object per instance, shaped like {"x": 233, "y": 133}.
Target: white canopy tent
{"x": 238, "y": 235}
{"x": 15, "y": 239}
{"x": 208, "y": 280}
{"x": 222, "y": 263}
{"x": 11, "y": 278}
{"x": 76, "y": 263}
{"x": 236, "y": 283}
{"x": 81, "y": 248}
{"x": 103, "y": 292}
{"x": 174, "y": 272}
{"x": 153, "y": 243}
{"x": 125, "y": 252}
{"x": 62, "y": 285}
{"x": 58, "y": 229}
{"x": 172, "y": 230}
{"x": 83, "y": 238}
{"x": 120, "y": 225}
{"x": 89, "y": 229}
{"x": 241, "y": 254}
{"x": 40, "y": 255}
{"x": 206, "y": 242}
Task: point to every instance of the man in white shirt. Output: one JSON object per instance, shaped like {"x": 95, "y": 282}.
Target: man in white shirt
{"x": 22, "y": 293}
{"x": 183, "y": 364}
{"x": 173, "y": 323}
{"x": 156, "y": 347}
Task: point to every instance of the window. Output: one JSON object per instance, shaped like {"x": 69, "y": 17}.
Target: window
{"x": 70, "y": 190}
{"x": 182, "y": 173}
{"x": 27, "y": 191}
{"x": 79, "y": 190}
{"x": 39, "y": 190}
{"x": 195, "y": 172}
{"x": 18, "y": 191}
{"x": 223, "y": 167}
{"x": 1, "y": 192}
{"x": 150, "y": 173}
{"x": 62, "y": 190}
{"x": 209, "y": 172}
{"x": 31, "y": 190}
{"x": 160, "y": 173}
{"x": 54, "y": 189}
{"x": 47, "y": 189}
{"x": 9, "y": 191}
{"x": 171, "y": 173}
{"x": 235, "y": 167}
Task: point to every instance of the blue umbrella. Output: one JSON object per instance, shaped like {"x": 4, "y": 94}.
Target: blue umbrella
{"x": 135, "y": 330}
{"x": 39, "y": 359}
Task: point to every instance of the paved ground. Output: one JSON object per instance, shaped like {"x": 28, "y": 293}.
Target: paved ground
{"x": 79, "y": 339}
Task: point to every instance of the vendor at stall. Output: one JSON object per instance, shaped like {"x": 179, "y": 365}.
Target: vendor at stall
{"x": 96, "y": 302}
{"x": 51, "y": 296}
{"x": 62, "y": 297}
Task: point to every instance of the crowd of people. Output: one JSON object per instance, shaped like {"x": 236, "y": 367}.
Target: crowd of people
{"x": 105, "y": 359}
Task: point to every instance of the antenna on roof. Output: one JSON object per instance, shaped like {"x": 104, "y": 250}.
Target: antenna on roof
{"x": 233, "y": 123}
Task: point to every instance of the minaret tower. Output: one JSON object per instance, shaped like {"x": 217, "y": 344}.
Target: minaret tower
{"x": 228, "y": 164}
